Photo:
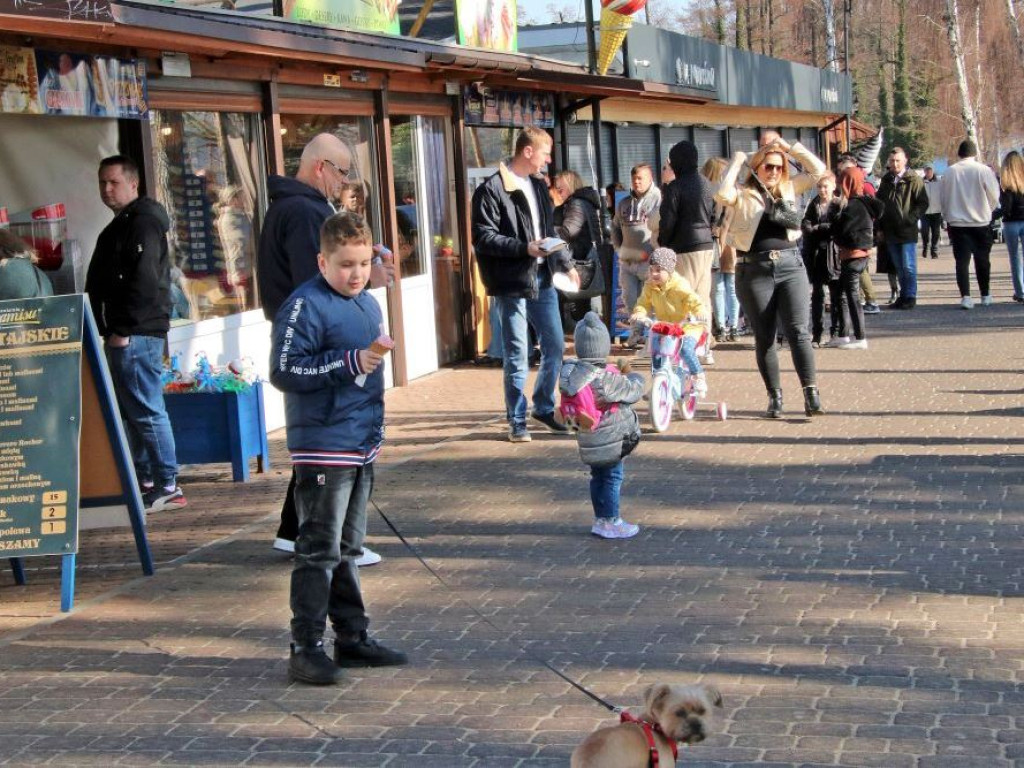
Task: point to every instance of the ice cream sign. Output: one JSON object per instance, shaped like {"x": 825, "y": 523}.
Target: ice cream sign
{"x": 692, "y": 75}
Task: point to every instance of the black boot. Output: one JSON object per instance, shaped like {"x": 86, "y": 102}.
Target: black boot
{"x": 812, "y": 402}
{"x": 310, "y": 664}
{"x": 363, "y": 651}
{"x": 774, "y": 404}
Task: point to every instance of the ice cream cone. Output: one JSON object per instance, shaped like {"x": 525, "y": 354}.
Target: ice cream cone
{"x": 614, "y": 27}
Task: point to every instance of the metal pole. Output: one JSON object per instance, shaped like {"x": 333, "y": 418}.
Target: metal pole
{"x": 846, "y": 65}
{"x": 591, "y": 38}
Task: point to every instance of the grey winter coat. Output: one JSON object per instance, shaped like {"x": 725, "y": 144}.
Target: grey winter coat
{"x": 619, "y": 431}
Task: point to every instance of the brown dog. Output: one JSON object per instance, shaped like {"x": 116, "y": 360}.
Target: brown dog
{"x": 674, "y": 712}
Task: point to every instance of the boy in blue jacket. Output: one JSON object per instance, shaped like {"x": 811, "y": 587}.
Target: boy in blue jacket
{"x": 333, "y": 382}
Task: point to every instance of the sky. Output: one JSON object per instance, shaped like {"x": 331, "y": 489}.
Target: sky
{"x": 537, "y": 9}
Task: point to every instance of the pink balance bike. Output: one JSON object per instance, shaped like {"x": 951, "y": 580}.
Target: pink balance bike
{"x": 671, "y": 381}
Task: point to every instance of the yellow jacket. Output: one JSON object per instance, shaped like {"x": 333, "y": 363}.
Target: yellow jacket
{"x": 747, "y": 204}
{"x": 672, "y": 302}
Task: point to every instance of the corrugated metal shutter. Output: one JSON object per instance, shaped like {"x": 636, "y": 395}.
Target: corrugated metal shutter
{"x": 581, "y": 152}
{"x": 743, "y": 139}
{"x": 710, "y": 143}
{"x": 792, "y": 135}
{"x": 607, "y": 155}
{"x": 809, "y": 138}
{"x": 636, "y": 145}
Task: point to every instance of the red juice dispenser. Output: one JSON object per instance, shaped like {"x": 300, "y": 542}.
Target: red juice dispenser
{"x": 44, "y": 228}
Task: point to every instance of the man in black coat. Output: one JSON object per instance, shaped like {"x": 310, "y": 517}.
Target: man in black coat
{"x": 129, "y": 287}
{"x": 511, "y": 215}
{"x": 289, "y": 244}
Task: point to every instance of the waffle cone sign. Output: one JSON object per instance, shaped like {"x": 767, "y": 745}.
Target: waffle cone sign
{"x": 616, "y": 19}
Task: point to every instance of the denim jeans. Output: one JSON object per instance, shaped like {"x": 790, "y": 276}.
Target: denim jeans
{"x": 631, "y": 281}
{"x": 494, "y": 347}
{"x": 331, "y": 503}
{"x": 774, "y": 295}
{"x": 971, "y": 242}
{"x": 1013, "y": 234}
{"x": 688, "y": 353}
{"x": 605, "y": 486}
{"x": 904, "y": 259}
{"x": 727, "y": 307}
{"x": 849, "y": 281}
{"x": 542, "y": 314}
{"x": 136, "y": 371}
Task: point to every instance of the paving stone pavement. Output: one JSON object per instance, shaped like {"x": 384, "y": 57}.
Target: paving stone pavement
{"x": 851, "y": 583}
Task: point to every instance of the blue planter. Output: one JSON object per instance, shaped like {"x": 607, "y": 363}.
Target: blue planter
{"x": 215, "y": 427}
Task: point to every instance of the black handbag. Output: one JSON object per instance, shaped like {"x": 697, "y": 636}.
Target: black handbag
{"x": 590, "y": 269}
{"x": 778, "y": 210}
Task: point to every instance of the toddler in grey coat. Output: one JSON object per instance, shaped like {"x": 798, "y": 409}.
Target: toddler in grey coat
{"x": 617, "y": 432}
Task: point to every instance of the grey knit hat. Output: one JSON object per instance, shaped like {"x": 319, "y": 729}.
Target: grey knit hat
{"x": 664, "y": 258}
{"x": 591, "y": 338}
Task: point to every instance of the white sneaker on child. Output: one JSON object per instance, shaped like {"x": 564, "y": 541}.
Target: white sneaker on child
{"x": 709, "y": 358}
{"x": 700, "y": 384}
{"x": 614, "y": 528}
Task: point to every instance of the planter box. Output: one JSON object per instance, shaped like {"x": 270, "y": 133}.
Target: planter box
{"x": 215, "y": 427}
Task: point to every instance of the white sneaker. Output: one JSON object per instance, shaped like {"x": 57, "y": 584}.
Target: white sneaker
{"x": 700, "y": 384}
{"x": 966, "y": 303}
{"x": 284, "y": 545}
{"x": 855, "y": 344}
{"x": 837, "y": 341}
{"x": 614, "y": 528}
{"x": 986, "y": 301}
{"x": 709, "y": 358}
{"x": 369, "y": 557}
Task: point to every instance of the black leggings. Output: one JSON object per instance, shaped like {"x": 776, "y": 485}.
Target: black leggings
{"x": 773, "y": 294}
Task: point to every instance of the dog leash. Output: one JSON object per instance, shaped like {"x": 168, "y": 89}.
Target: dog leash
{"x": 502, "y": 631}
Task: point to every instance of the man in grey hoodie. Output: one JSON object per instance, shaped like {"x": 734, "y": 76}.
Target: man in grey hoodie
{"x": 634, "y": 230}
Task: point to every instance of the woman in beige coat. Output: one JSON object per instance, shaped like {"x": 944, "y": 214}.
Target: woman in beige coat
{"x": 771, "y": 281}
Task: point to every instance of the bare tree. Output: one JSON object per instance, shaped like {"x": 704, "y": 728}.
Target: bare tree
{"x": 831, "y": 55}
{"x": 967, "y": 114}
{"x": 1011, "y": 16}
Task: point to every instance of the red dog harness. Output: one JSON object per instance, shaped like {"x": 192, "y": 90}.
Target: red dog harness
{"x": 649, "y": 730}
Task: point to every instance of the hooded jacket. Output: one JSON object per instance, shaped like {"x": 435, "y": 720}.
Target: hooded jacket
{"x": 502, "y": 230}
{"x": 905, "y": 201}
{"x": 618, "y": 433}
{"x": 577, "y": 221}
{"x": 687, "y": 205}
{"x": 672, "y": 302}
{"x": 635, "y": 225}
{"x": 289, "y": 240}
{"x": 129, "y": 277}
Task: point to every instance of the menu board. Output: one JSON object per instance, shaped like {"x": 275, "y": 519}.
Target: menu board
{"x": 40, "y": 423}
{"x": 485, "y": 105}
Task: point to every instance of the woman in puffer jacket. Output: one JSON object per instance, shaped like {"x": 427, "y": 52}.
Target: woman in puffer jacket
{"x": 578, "y": 222}
{"x": 771, "y": 281}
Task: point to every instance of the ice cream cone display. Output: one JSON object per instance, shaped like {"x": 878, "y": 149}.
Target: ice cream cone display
{"x": 616, "y": 19}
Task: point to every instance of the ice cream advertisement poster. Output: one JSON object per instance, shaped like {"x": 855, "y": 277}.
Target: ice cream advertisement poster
{"x": 361, "y": 15}
{"x": 487, "y": 24}
{"x": 19, "y": 84}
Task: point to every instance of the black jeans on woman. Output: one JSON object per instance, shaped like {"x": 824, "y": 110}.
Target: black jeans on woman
{"x": 773, "y": 294}
{"x": 837, "y": 325}
{"x": 849, "y": 282}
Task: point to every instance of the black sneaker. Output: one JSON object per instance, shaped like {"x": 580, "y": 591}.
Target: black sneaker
{"x": 366, "y": 652}
{"x": 549, "y": 421}
{"x": 311, "y": 665}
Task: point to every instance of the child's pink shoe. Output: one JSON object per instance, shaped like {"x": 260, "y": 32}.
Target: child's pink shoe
{"x": 614, "y": 528}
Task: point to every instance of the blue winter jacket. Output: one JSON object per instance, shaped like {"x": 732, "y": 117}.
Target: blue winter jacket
{"x": 314, "y": 360}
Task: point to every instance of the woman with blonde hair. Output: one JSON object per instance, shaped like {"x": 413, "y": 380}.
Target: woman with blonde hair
{"x": 771, "y": 281}
{"x": 1011, "y": 203}
{"x": 725, "y": 305}
{"x": 578, "y": 222}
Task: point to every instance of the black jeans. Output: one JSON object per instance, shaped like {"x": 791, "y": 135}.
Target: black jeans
{"x": 968, "y": 242}
{"x": 931, "y": 226}
{"x": 331, "y": 502}
{"x": 849, "y": 281}
{"x": 837, "y": 322}
{"x": 773, "y": 294}
{"x": 288, "y": 528}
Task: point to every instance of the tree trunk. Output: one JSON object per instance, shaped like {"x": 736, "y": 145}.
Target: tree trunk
{"x": 979, "y": 84}
{"x": 1011, "y": 14}
{"x": 831, "y": 54}
{"x": 952, "y": 19}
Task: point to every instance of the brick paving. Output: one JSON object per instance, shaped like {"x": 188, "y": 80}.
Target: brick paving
{"x": 850, "y": 583}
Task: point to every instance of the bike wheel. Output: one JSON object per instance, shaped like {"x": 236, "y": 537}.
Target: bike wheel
{"x": 661, "y": 402}
{"x": 688, "y": 405}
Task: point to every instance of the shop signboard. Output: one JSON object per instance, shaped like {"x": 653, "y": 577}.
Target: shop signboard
{"x": 65, "y": 83}
{"x": 665, "y": 57}
{"x": 40, "y": 344}
{"x": 361, "y": 15}
{"x": 487, "y": 24}
{"x": 501, "y": 108}
{"x": 72, "y": 10}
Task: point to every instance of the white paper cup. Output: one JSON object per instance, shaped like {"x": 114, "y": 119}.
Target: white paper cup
{"x": 563, "y": 282}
